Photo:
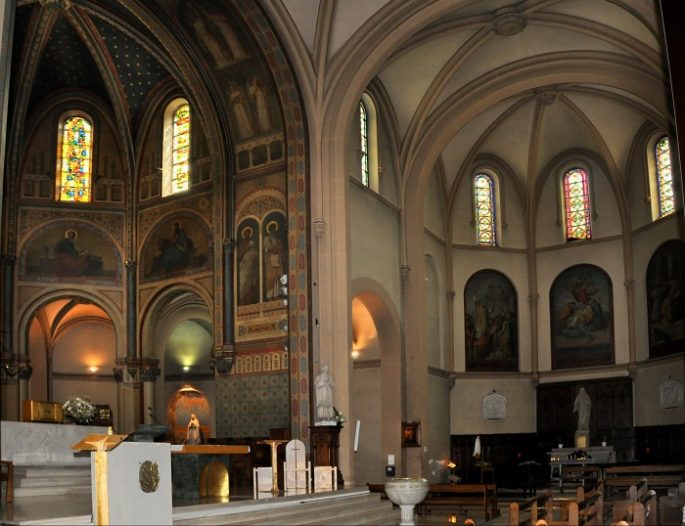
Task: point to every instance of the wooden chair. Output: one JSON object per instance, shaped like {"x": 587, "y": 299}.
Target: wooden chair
{"x": 7, "y": 475}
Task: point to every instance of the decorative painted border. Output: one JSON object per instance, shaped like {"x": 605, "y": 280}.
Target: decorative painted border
{"x": 298, "y": 216}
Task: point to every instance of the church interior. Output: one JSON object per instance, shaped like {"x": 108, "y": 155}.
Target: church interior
{"x": 445, "y": 239}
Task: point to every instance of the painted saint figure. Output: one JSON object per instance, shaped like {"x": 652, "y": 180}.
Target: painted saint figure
{"x": 582, "y": 405}
{"x": 274, "y": 261}
{"x": 241, "y": 112}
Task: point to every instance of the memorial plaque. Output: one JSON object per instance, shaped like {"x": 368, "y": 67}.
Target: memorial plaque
{"x": 494, "y": 406}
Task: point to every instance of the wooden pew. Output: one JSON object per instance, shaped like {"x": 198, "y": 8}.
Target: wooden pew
{"x": 623, "y": 508}
{"x": 377, "y": 488}
{"x": 586, "y": 476}
{"x": 659, "y": 476}
{"x": 639, "y": 513}
{"x": 470, "y": 496}
{"x": 671, "y": 507}
{"x": 535, "y": 508}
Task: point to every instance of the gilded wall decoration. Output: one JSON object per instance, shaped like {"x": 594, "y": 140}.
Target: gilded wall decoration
{"x": 71, "y": 251}
{"x": 178, "y": 245}
{"x": 666, "y": 299}
{"x": 582, "y": 317}
{"x": 491, "y": 322}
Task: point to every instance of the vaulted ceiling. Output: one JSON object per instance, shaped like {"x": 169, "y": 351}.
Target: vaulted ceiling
{"x": 527, "y": 79}
{"x": 520, "y": 80}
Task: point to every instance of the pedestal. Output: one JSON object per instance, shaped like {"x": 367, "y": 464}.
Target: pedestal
{"x": 582, "y": 439}
{"x": 325, "y": 443}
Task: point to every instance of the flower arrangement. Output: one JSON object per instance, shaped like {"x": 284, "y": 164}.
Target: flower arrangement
{"x": 339, "y": 417}
{"x": 80, "y": 410}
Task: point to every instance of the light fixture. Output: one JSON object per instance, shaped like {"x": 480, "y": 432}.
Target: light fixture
{"x": 93, "y": 369}
{"x": 186, "y": 368}
{"x": 354, "y": 354}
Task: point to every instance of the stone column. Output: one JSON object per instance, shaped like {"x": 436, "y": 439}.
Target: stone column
{"x": 131, "y": 317}
{"x": 127, "y": 376}
{"x": 150, "y": 374}
{"x": 25, "y": 371}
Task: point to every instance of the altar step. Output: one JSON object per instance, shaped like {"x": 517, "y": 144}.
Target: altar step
{"x": 354, "y": 506}
{"x": 30, "y": 481}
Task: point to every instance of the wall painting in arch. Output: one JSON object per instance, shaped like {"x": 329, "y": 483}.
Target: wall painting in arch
{"x": 582, "y": 318}
{"x": 491, "y": 322}
{"x": 70, "y": 252}
{"x": 177, "y": 246}
{"x": 666, "y": 299}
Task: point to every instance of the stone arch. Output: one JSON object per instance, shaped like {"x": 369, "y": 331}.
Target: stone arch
{"x": 376, "y": 383}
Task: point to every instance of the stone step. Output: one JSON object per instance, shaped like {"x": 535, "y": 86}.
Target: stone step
{"x": 51, "y": 490}
{"x": 50, "y": 471}
{"x": 35, "y": 482}
{"x": 388, "y": 516}
{"x": 319, "y": 509}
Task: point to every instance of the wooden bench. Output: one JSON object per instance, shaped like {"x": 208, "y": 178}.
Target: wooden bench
{"x": 470, "y": 496}
{"x": 637, "y": 513}
{"x": 586, "y": 476}
{"x": 535, "y": 508}
{"x": 377, "y": 488}
{"x": 658, "y": 476}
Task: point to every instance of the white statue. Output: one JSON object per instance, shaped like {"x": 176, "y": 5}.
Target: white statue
{"x": 582, "y": 405}
{"x": 324, "y": 396}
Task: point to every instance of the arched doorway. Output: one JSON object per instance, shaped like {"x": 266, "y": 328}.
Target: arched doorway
{"x": 376, "y": 387}
{"x": 178, "y": 332}
{"x": 71, "y": 342}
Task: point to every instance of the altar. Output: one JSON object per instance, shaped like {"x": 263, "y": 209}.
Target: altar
{"x": 202, "y": 470}
{"x": 570, "y": 456}
{"x": 42, "y": 444}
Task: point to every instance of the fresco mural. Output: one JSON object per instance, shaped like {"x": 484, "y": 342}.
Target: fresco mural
{"x": 581, "y": 305}
{"x": 666, "y": 299}
{"x": 490, "y": 311}
{"x": 71, "y": 251}
{"x": 274, "y": 255}
{"x": 177, "y": 246}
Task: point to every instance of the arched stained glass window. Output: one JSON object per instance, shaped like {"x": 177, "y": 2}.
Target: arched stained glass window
{"x": 664, "y": 176}
{"x": 364, "y": 143}
{"x": 75, "y": 160}
{"x": 577, "y": 204}
{"x": 181, "y": 150}
{"x": 484, "y": 206}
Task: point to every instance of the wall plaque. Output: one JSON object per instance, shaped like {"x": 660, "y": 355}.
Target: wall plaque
{"x": 671, "y": 394}
{"x": 494, "y": 406}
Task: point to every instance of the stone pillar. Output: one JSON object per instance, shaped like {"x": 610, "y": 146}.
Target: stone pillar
{"x": 533, "y": 299}
{"x": 25, "y": 371}
{"x": 150, "y": 374}
{"x": 127, "y": 375}
{"x": 131, "y": 318}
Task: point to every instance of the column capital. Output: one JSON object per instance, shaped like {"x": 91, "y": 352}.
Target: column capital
{"x": 404, "y": 272}
{"x": 222, "y": 358}
{"x": 629, "y": 284}
{"x": 533, "y": 298}
{"x": 451, "y": 293}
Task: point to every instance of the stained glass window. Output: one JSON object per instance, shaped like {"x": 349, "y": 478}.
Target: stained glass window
{"x": 577, "y": 204}
{"x": 664, "y": 176}
{"x": 484, "y": 204}
{"x": 75, "y": 161}
{"x": 180, "y": 167}
{"x": 364, "y": 133}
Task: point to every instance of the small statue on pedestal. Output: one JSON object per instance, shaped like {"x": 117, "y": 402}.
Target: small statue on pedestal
{"x": 194, "y": 434}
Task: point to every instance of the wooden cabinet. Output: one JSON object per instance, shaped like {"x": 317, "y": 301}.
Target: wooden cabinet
{"x": 35, "y": 411}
